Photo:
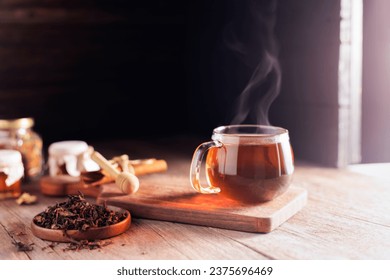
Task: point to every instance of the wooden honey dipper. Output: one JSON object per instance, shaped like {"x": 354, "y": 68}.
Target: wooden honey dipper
{"x": 127, "y": 182}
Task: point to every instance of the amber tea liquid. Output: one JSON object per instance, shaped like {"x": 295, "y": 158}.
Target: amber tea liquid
{"x": 250, "y": 172}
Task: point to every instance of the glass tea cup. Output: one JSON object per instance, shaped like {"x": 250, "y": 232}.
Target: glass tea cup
{"x": 247, "y": 163}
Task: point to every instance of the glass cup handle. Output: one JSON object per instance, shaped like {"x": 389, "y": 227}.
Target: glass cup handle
{"x": 196, "y": 164}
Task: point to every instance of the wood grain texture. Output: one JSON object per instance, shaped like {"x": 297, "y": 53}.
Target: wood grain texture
{"x": 173, "y": 199}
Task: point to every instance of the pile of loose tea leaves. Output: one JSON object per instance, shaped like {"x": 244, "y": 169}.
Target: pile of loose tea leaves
{"x": 77, "y": 214}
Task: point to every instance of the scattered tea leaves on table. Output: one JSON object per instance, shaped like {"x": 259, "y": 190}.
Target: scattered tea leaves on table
{"x": 51, "y": 246}
{"x": 85, "y": 244}
{"x": 22, "y": 247}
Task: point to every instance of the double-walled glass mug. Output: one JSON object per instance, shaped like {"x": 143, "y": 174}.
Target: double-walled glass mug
{"x": 247, "y": 163}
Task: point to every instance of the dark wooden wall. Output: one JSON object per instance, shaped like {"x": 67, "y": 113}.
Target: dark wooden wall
{"x": 93, "y": 69}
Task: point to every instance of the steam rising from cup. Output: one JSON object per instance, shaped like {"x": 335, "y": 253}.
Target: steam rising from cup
{"x": 253, "y": 41}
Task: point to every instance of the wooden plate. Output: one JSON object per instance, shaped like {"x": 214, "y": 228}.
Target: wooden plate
{"x": 63, "y": 185}
{"x": 98, "y": 233}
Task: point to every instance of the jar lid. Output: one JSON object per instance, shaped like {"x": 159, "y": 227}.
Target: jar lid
{"x": 10, "y": 157}
{"x": 16, "y": 123}
{"x": 72, "y": 147}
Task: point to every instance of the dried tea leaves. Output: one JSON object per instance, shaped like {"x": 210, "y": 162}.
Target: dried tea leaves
{"x": 77, "y": 214}
{"x": 86, "y": 244}
{"x": 22, "y": 247}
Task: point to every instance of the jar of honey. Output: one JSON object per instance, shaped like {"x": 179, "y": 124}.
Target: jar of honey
{"x": 11, "y": 173}
{"x": 18, "y": 134}
{"x": 70, "y": 158}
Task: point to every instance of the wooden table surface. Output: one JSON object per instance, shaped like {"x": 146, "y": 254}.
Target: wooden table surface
{"x": 347, "y": 217}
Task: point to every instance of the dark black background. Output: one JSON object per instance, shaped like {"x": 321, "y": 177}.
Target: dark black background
{"x": 153, "y": 69}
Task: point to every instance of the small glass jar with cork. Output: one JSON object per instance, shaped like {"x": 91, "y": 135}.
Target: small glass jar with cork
{"x": 18, "y": 134}
{"x": 70, "y": 158}
{"x": 11, "y": 174}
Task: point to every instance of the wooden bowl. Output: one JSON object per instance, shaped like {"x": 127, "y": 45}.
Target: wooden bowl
{"x": 58, "y": 235}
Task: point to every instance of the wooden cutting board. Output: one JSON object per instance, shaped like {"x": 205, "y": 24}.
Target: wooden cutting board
{"x": 172, "y": 199}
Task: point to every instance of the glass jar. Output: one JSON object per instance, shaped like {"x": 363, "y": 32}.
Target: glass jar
{"x": 11, "y": 173}
{"x": 18, "y": 134}
{"x": 70, "y": 158}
